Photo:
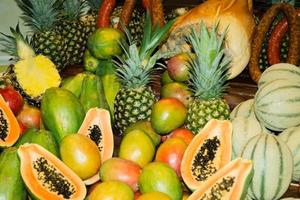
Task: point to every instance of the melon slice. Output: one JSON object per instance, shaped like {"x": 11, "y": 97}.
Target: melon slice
{"x": 47, "y": 177}
{"x": 97, "y": 126}
{"x": 229, "y": 183}
{"x": 209, "y": 151}
{"x": 9, "y": 126}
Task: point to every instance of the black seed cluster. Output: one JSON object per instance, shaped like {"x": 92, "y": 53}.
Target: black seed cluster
{"x": 52, "y": 179}
{"x": 96, "y": 135}
{"x": 3, "y": 126}
{"x": 219, "y": 189}
{"x": 203, "y": 166}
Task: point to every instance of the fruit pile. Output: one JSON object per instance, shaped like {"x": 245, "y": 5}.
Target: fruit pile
{"x": 106, "y": 133}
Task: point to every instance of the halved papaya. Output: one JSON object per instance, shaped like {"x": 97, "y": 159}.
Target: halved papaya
{"x": 209, "y": 151}
{"x": 47, "y": 177}
{"x": 97, "y": 126}
{"x": 9, "y": 126}
{"x": 229, "y": 183}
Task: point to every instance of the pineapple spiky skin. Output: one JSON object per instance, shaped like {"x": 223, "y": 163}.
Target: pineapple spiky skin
{"x": 89, "y": 21}
{"x": 135, "y": 25}
{"x": 201, "y": 111}
{"x": 52, "y": 45}
{"x": 75, "y": 35}
{"x": 132, "y": 105}
{"x": 176, "y": 13}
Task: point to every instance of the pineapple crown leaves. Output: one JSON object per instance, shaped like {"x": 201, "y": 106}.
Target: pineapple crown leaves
{"x": 210, "y": 67}
{"x": 73, "y": 9}
{"x": 137, "y": 65}
{"x": 40, "y": 15}
{"x": 16, "y": 45}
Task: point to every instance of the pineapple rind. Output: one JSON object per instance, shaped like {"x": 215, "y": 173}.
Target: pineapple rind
{"x": 201, "y": 111}
{"x": 132, "y": 105}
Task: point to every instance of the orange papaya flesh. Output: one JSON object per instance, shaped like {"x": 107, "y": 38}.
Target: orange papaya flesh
{"x": 47, "y": 177}
{"x": 209, "y": 151}
{"x": 97, "y": 126}
{"x": 9, "y": 126}
{"x": 229, "y": 183}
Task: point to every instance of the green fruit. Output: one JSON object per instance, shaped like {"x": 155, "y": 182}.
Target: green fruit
{"x": 62, "y": 112}
{"x": 41, "y": 137}
{"x": 167, "y": 115}
{"x": 154, "y": 195}
{"x": 176, "y": 90}
{"x": 74, "y": 84}
{"x": 166, "y": 78}
{"x": 178, "y": 67}
{"x": 105, "y": 43}
{"x": 159, "y": 177}
{"x": 92, "y": 93}
{"x": 90, "y": 63}
{"x": 145, "y": 126}
{"x": 138, "y": 147}
{"x": 81, "y": 154}
{"x": 11, "y": 184}
{"x": 111, "y": 84}
{"x": 111, "y": 190}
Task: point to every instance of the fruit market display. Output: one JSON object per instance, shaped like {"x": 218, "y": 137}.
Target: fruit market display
{"x": 136, "y": 119}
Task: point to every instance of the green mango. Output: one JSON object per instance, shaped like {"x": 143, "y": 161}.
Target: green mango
{"x": 11, "y": 183}
{"x": 62, "y": 112}
{"x": 42, "y": 137}
{"x": 92, "y": 94}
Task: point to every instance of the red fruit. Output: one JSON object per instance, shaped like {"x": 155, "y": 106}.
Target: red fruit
{"x": 182, "y": 133}
{"x": 178, "y": 67}
{"x": 118, "y": 169}
{"x": 30, "y": 116}
{"x": 171, "y": 152}
{"x": 13, "y": 98}
{"x": 23, "y": 127}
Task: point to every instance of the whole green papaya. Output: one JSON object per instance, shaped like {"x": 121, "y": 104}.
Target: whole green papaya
{"x": 111, "y": 84}
{"x": 42, "y": 137}
{"x": 92, "y": 93}
{"x": 74, "y": 83}
{"x": 11, "y": 183}
{"x": 62, "y": 112}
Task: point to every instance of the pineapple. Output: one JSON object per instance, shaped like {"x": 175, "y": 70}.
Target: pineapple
{"x": 208, "y": 77}
{"x": 42, "y": 16}
{"x": 90, "y": 19}
{"x": 32, "y": 74}
{"x": 176, "y": 13}
{"x": 135, "y": 71}
{"x": 136, "y": 24}
{"x": 73, "y": 30}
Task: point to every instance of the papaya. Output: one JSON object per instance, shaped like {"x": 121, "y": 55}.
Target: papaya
{"x": 42, "y": 137}
{"x": 208, "y": 152}
{"x": 92, "y": 93}
{"x": 9, "y": 126}
{"x": 47, "y": 177}
{"x": 62, "y": 112}
{"x": 74, "y": 83}
{"x": 97, "y": 126}
{"x": 111, "y": 84}
{"x": 229, "y": 183}
{"x": 11, "y": 183}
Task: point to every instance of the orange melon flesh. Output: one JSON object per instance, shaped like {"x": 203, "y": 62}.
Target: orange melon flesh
{"x": 240, "y": 169}
{"x": 222, "y": 130}
{"x": 101, "y": 118}
{"x": 29, "y": 153}
{"x": 13, "y": 127}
